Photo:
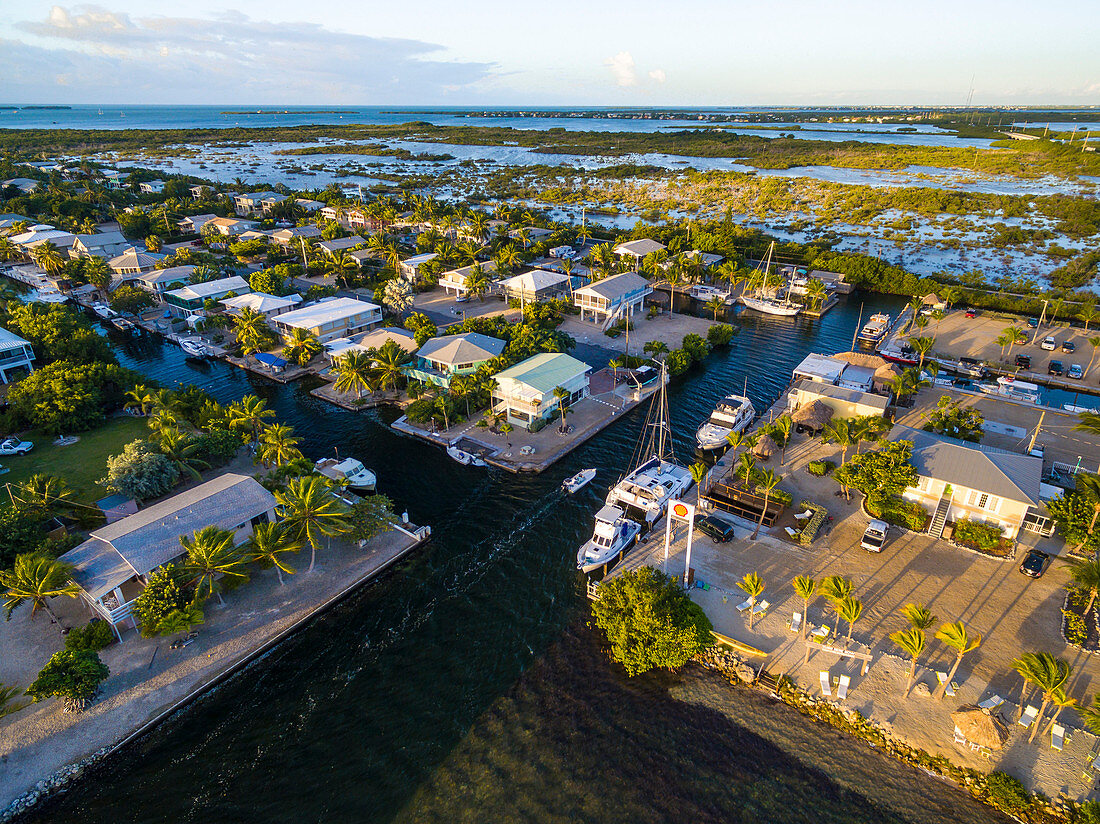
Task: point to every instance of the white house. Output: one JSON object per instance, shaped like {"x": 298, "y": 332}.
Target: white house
{"x": 374, "y": 339}
{"x": 294, "y": 235}
{"x": 134, "y": 261}
{"x": 331, "y": 318}
{"x": 256, "y": 203}
{"x": 191, "y": 300}
{"x": 15, "y": 355}
{"x": 265, "y": 304}
{"x": 24, "y": 184}
{"x": 230, "y": 226}
{"x": 151, "y": 187}
{"x": 525, "y": 392}
{"x": 112, "y": 566}
{"x": 456, "y": 278}
{"x": 410, "y": 267}
{"x": 194, "y": 223}
{"x": 536, "y": 285}
{"x": 958, "y": 479}
{"x": 844, "y": 401}
{"x": 201, "y": 191}
{"x": 638, "y": 249}
{"x": 612, "y": 298}
{"x": 339, "y": 244}
{"x": 310, "y": 206}
{"x": 160, "y": 281}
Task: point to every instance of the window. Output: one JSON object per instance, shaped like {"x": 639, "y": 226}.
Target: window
{"x": 983, "y": 499}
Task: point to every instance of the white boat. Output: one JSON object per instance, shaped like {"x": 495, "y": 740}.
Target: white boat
{"x": 875, "y": 329}
{"x": 612, "y": 536}
{"x": 578, "y": 481}
{"x": 646, "y": 490}
{"x": 732, "y": 414}
{"x": 348, "y": 472}
{"x": 767, "y": 301}
{"x": 194, "y": 347}
{"x": 1016, "y": 390}
{"x": 705, "y": 293}
{"x": 123, "y": 324}
{"x": 463, "y": 457}
{"x": 104, "y": 311}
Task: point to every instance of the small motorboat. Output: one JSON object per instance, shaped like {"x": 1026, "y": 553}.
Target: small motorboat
{"x": 578, "y": 481}
{"x": 194, "y": 347}
{"x": 104, "y": 311}
{"x": 347, "y": 472}
{"x": 463, "y": 457}
{"x": 123, "y": 324}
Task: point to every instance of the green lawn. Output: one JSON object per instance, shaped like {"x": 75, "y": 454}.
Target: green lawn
{"x": 81, "y": 464}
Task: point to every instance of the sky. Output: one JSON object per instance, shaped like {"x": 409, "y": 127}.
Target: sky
{"x": 570, "y": 53}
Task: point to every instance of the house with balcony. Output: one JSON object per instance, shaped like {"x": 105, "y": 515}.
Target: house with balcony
{"x": 410, "y": 267}
{"x": 115, "y": 179}
{"x": 524, "y": 393}
{"x": 112, "y": 566}
{"x": 151, "y": 187}
{"x": 229, "y": 226}
{"x": 442, "y": 358}
{"x": 536, "y": 285}
{"x": 635, "y": 250}
{"x": 958, "y": 479}
{"x": 16, "y": 356}
{"x": 613, "y": 298}
{"x": 455, "y": 280}
{"x": 372, "y": 340}
{"x": 189, "y": 300}
{"x": 267, "y": 305}
{"x": 194, "y": 223}
{"x": 133, "y": 262}
{"x": 310, "y": 206}
{"x": 201, "y": 192}
{"x": 294, "y": 235}
{"x": 331, "y": 213}
{"x": 256, "y": 203}
{"x": 160, "y": 281}
{"x": 339, "y": 244}
{"x": 26, "y": 185}
{"x": 106, "y": 245}
{"x": 331, "y": 318}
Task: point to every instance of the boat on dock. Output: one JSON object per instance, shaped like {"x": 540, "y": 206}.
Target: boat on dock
{"x": 104, "y": 311}
{"x": 578, "y": 481}
{"x": 194, "y": 348}
{"x": 123, "y": 324}
{"x": 349, "y": 472}
{"x": 613, "y": 535}
{"x": 874, "y": 330}
{"x": 767, "y": 300}
{"x": 732, "y": 414}
{"x": 1013, "y": 389}
{"x": 463, "y": 457}
{"x": 705, "y": 293}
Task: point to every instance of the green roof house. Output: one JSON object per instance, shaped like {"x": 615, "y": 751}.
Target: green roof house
{"x": 525, "y": 392}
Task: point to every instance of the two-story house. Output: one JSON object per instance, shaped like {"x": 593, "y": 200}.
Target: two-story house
{"x": 442, "y": 358}
{"x": 331, "y": 318}
{"x": 16, "y": 356}
{"x": 525, "y": 392}
{"x": 618, "y": 296}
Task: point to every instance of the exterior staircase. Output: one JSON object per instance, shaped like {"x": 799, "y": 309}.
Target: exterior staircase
{"x": 935, "y": 529}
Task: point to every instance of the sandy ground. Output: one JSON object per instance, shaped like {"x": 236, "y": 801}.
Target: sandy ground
{"x": 1013, "y": 613}
{"x": 670, "y": 330}
{"x": 147, "y": 677}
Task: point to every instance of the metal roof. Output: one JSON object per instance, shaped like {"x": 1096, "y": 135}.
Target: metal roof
{"x": 639, "y": 248}
{"x": 615, "y": 286}
{"x": 325, "y": 311}
{"x": 469, "y": 347}
{"x": 974, "y": 466}
{"x": 197, "y": 291}
{"x": 260, "y": 302}
{"x": 842, "y": 393}
{"x": 535, "y": 280}
{"x": 545, "y": 371}
{"x": 9, "y": 340}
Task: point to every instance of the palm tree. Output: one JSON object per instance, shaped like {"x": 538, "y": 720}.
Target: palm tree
{"x": 1056, "y": 307}
{"x": 301, "y": 346}
{"x": 35, "y": 577}
{"x": 782, "y": 426}
{"x": 850, "y": 610}
{"x": 252, "y": 330}
{"x": 98, "y": 274}
{"x": 1087, "y": 314}
{"x": 918, "y": 616}
{"x": 835, "y": 589}
{"x": 769, "y": 481}
{"x": 1094, "y": 342}
{"x": 673, "y": 277}
{"x": 1085, "y": 572}
{"x": 956, "y": 637}
{"x": 440, "y": 405}
{"x": 353, "y": 373}
{"x": 746, "y": 466}
{"x": 389, "y": 364}
{"x": 562, "y": 395}
{"x": 912, "y": 642}
{"x": 949, "y": 295}
{"x": 268, "y": 546}
{"x": 212, "y": 559}
{"x": 9, "y": 250}
{"x": 806, "y": 588}
{"x": 914, "y": 306}
{"x": 340, "y": 265}
{"x": 477, "y": 283}
{"x": 43, "y": 495}
{"x": 1088, "y": 422}
{"x": 816, "y": 292}
{"x": 47, "y": 256}
{"x": 249, "y": 414}
{"x": 1061, "y": 700}
{"x": 181, "y": 451}
{"x": 753, "y": 586}
{"x": 838, "y": 431}
{"x": 278, "y": 446}
{"x": 1015, "y": 336}
{"x": 1002, "y": 340}
{"x": 310, "y": 512}
{"x": 152, "y": 243}
{"x": 1090, "y": 715}
{"x": 715, "y": 305}
{"x": 922, "y": 345}
{"x": 1047, "y": 673}
{"x": 655, "y": 348}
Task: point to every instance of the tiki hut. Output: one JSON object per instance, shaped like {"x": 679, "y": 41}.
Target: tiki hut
{"x": 765, "y": 447}
{"x": 885, "y": 372}
{"x": 980, "y": 727}
{"x": 813, "y": 416}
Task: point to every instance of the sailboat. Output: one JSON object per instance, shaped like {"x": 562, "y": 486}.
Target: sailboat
{"x": 767, "y": 302}
{"x": 656, "y": 478}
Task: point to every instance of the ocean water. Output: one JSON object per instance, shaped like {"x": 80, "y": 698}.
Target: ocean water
{"x": 463, "y": 684}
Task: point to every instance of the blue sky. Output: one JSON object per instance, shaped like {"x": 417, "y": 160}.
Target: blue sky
{"x": 800, "y": 52}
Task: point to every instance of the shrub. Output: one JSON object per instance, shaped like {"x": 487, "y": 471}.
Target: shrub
{"x": 898, "y": 511}
{"x": 162, "y": 596}
{"x": 985, "y": 537}
{"x": 71, "y": 675}
{"x": 140, "y": 472}
{"x": 1076, "y": 630}
{"x": 820, "y": 468}
{"x": 719, "y": 335}
{"x": 1088, "y": 813}
{"x": 419, "y": 411}
{"x": 1007, "y": 794}
{"x": 678, "y": 362}
{"x": 218, "y": 446}
{"x": 94, "y": 636}
{"x": 809, "y": 531}
{"x": 696, "y": 348}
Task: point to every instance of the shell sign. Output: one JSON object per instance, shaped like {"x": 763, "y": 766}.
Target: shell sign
{"x": 680, "y": 510}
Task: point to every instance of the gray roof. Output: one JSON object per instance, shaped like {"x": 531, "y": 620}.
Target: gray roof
{"x": 151, "y": 538}
{"x": 842, "y": 393}
{"x": 985, "y": 468}
{"x": 9, "y": 340}
{"x": 339, "y": 243}
{"x": 469, "y": 347}
{"x": 616, "y": 286}
{"x": 180, "y": 273}
{"x": 639, "y": 248}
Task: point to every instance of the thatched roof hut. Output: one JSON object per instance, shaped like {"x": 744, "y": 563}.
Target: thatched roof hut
{"x": 980, "y": 727}
{"x": 814, "y": 415}
{"x": 765, "y": 447}
{"x": 885, "y": 372}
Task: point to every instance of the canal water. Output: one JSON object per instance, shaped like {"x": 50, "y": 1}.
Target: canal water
{"x": 464, "y": 684}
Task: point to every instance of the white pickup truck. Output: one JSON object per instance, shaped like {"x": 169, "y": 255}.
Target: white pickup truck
{"x": 874, "y": 537}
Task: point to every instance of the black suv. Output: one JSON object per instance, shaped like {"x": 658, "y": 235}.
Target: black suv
{"x": 718, "y": 530}
{"x": 1023, "y": 361}
{"x": 1055, "y": 368}
{"x": 1034, "y": 564}
{"x": 1069, "y": 347}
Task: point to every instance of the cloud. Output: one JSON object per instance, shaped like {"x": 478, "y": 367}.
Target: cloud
{"x": 658, "y": 76}
{"x": 112, "y": 57}
{"x": 622, "y": 68}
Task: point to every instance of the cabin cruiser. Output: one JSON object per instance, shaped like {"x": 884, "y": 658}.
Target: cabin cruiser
{"x": 874, "y": 330}
{"x": 104, "y": 311}
{"x": 348, "y": 472}
{"x": 732, "y": 414}
{"x": 194, "y": 347}
{"x": 705, "y": 293}
{"x": 1012, "y": 389}
{"x": 612, "y": 536}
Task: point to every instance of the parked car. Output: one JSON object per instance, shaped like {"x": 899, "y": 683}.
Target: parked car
{"x": 1055, "y": 368}
{"x": 718, "y": 530}
{"x": 874, "y": 537}
{"x": 14, "y": 446}
{"x": 972, "y": 313}
{"x": 1034, "y": 564}
{"x": 1075, "y": 371}
{"x": 1033, "y": 323}
{"x": 1023, "y": 361}
{"x": 1049, "y": 344}
{"x": 1069, "y": 347}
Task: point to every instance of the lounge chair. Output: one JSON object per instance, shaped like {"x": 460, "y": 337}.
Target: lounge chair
{"x": 801, "y": 516}
{"x": 1057, "y": 737}
{"x": 1028, "y": 717}
{"x": 761, "y": 609}
{"x": 991, "y": 703}
{"x": 959, "y": 737}
{"x": 796, "y": 622}
{"x": 826, "y": 688}
{"x": 949, "y": 690}
{"x": 793, "y": 533}
{"x": 744, "y": 605}
{"x": 822, "y": 632}
{"x": 842, "y": 689}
